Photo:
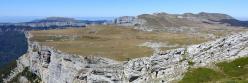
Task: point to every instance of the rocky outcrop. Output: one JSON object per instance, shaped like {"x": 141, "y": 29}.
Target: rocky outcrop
{"x": 125, "y": 20}
{"x": 53, "y": 66}
{"x": 130, "y": 21}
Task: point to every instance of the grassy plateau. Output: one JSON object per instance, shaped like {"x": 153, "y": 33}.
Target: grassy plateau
{"x": 111, "y": 41}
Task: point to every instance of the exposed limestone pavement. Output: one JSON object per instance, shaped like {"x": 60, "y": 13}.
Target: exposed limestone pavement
{"x": 53, "y": 66}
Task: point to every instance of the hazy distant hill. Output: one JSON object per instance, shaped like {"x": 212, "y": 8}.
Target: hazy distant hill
{"x": 167, "y": 22}
{"x": 19, "y": 19}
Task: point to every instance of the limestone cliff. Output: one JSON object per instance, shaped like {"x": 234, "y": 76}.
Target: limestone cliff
{"x": 53, "y": 66}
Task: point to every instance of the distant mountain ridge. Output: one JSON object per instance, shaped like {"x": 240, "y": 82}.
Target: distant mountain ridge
{"x": 209, "y": 16}
{"x": 50, "y": 23}
{"x": 55, "y": 19}
{"x": 21, "y": 19}
{"x": 165, "y": 21}
{"x": 18, "y": 19}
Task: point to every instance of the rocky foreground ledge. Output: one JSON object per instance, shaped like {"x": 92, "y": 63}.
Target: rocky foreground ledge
{"x": 53, "y": 66}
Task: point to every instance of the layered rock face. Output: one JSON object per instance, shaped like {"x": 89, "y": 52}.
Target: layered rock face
{"x": 125, "y": 20}
{"x": 53, "y": 66}
{"x": 129, "y": 21}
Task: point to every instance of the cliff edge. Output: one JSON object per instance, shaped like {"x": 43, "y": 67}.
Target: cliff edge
{"x": 54, "y": 66}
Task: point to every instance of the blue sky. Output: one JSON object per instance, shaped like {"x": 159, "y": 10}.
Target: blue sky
{"x": 109, "y": 8}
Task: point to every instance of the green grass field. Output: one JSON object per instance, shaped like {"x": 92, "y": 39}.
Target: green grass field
{"x": 230, "y": 72}
{"x": 201, "y": 75}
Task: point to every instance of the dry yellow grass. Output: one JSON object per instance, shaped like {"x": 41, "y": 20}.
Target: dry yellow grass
{"x": 115, "y": 42}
